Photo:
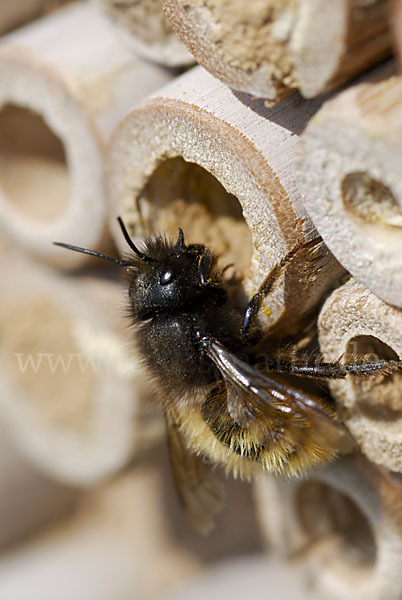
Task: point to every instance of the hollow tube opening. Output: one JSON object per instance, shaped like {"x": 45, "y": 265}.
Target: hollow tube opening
{"x": 183, "y": 194}
{"x": 33, "y": 169}
{"x": 370, "y": 201}
{"x": 45, "y": 363}
{"x": 378, "y": 398}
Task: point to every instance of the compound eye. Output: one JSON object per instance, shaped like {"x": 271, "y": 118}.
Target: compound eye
{"x": 166, "y": 277}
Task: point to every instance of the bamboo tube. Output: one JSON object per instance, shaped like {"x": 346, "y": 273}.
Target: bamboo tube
{"x": 16, "y": 13}
{"x": 354, "y": 321}
{"x": 268, "y": 48}
{"x": 65, "y": 82}
{"x": 118, "y": 545}
{"x": 28, "y": 500}
{"x": 143, "y": 27}
{"x": 195, "y": 156}
{"x": 69, "y": 389}
{"x": 343, "y": 525}
{"x": 333, "y": 43}
{"x": 350, "y": 179}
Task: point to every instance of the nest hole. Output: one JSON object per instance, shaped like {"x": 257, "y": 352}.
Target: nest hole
{"x": 44, "y": 362}
{"x": 332, "y": 520}
{"x": 378, "y": 397}
{"x": 33, "y": 168}
{"x": 370, "y": 200}
{"x": 183, "y": 194}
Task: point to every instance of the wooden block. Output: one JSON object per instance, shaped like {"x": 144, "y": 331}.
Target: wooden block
{"x": 350, "y": 178}
{"x": 197, "y": 156}
{"x": 65, "y": 82}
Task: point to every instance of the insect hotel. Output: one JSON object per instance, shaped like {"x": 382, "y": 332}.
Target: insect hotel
{"x": 215, "y": 406}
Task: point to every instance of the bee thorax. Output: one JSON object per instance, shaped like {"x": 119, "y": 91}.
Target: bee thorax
{"x": 171, "y": 351}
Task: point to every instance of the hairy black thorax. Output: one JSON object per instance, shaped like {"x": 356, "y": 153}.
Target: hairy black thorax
{"x": 177, "y": 296}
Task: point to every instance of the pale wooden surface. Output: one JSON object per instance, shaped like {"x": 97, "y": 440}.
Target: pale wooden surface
{"x": 69, "y": 382}
{"x": 249, "y": 152}
{"x": 349, "y": 174}
{"x": 354, "y": 321}
{"x": 143, "y": 27}
{"x": 71, "y": 71}
{"x": 342, "y": 527}
{"x": 335, "y": 40}
{"x": 269, "y": 48}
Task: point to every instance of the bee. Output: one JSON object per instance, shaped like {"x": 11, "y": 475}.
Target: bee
{"x": 219, "y": 407}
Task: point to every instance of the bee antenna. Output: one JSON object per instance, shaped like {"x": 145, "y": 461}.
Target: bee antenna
{"x": 130, "y": 242}
{"x": 180, "y": 240}
{"x": 117, "y": 261}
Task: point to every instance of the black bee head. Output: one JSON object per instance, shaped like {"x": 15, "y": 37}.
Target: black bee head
{"x": 168, "y": 276}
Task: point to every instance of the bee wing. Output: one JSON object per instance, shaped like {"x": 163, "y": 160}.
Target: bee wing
{"x": 255, "y": 397}
{"x": 201, "y": 494}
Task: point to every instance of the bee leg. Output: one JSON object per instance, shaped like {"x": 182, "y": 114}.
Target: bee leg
{"x": 252, "y": 310}
{"x": 335, "y": 370}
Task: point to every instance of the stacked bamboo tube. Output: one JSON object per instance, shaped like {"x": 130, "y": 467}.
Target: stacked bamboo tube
{"x": 270, "y": 48}
{"x": 349, "y": 167}
{"x": 221, "y": 165}
{"x": 343, "y": 526}
{"x": 69, "y": 389}
{"x": 356, "y": 322}
{"x": 59, "y": 102}
{"x": 350, "y": 178}
{"x": 349, "y": 174}
{"x": 67, "y": 377}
